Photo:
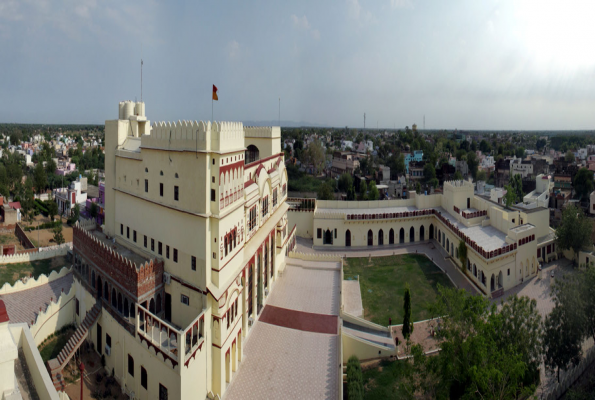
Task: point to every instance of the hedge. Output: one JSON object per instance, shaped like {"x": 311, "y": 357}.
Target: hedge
{"x": 355, "y": 379}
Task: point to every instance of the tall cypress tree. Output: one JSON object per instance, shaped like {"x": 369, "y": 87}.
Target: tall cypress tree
{"x": 407, "y": 325}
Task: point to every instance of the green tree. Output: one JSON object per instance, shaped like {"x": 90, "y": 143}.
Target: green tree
{"x": 363, "y": 190}
{"x": 472, "y": 163}
{"x": 429, "y": 173}
{"x": 481, "y": 176}
{"x": 58, "y": 237}
{"x": 583, "y": 182}
{"x": 516, "y": 183}
{"x": 325, "y": 192}
{"x": 50, "y": 167}
{"x": 569, "y": 157}
{"x": 52, "y": 209}
{"x": 463, "y": 254}
{"x": 564, "y": 326}
{"x": 373, "y": 191}
{"x": 510, "y": 196}
{"x": 574, "y": 231}
{"x": 351, "y": 194}
{"x": 74, "y": 215}
{"x": 407, "y": 322}
{"x": 355, "y": 379}
{"x": 314, "y": 155}
{"x": 345, "y": 182}
{"x": 418, "y": 188}
{"x": 458, "y": 176}
{"x": 519, "y": 152}
{"x": 485, "y": 147}
{"x": 94, "y": 210}
{"x": 40, "y": 178}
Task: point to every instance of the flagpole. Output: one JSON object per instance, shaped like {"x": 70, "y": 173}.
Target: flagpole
{"x": 212, "y": 101}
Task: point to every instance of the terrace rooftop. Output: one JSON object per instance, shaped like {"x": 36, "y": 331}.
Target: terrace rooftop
{"x": 121, "y": 249}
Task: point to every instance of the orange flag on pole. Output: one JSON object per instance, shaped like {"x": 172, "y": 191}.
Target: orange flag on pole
{"x": 215, "y": 93}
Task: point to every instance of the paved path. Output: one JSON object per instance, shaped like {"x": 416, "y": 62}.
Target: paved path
{"x": 352, "y": 298}
{"x": 24, "y": 306}
{"x": 436, "y": 253}
{"x": 284, "y": 357}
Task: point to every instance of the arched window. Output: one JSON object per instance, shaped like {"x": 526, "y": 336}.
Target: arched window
{"x": 391, "y": 236}
{"x": 152, "y": 306}
{"x": 99, "y": 287}
{"x": 120, "y": 303}
{"x": 252, "y": 154}
{"x": 161, "y": 173}
{"x": 132, "y": 310}
{"x": 370, "y": 238}
{"x": 105, "y": 291}
{"x": 225, "y": 245}
{"x": 126, "y": 307}
{"x": 92, "y": 278}
{"x": 176, "y": 175}
{"x": 380, "y": 237}
{"x": 422, "y": 233}
{"x": 402, "y": 235}
{"x": 114, "y": 298}
{"x": 348, "y": 238}
{"x": 146, "y": 169}
{"x": 158, "y": 305}
{"x": 412, "y": 235}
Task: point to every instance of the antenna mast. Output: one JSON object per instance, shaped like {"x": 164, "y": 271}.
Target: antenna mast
{"x": 141, "y": 80}
{"x": 364, "y": 121}
{"x": 424, "y": 122}
{"x": 279, "y": 112}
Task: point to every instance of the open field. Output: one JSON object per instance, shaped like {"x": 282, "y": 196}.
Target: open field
{"x": 383, "y": 280}
{"x": 12, "y": 272}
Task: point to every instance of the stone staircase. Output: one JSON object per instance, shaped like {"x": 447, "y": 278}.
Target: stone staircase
{"x": 56, "y": 365}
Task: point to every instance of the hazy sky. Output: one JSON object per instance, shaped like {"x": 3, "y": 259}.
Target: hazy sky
{"x": 464, "y": 64}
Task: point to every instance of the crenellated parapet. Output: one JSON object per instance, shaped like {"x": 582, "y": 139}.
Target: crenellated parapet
{"x": 137, "y": 278}
{"x": 269, "y": 132}
{"x": 195, "y": 136}
{"x": 458, "y": 186}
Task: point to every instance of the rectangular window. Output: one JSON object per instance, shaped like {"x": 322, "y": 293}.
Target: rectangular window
{"x": 160, "y": 248}
{"x": 134, "y": 236}
{"x": 143, "y": 377}
{"x": 127, "y": 232}
{"x": 275, "y": 197}
{"x": 508, "y": 271}
{"x": 227, "y": 317}
{"x": 236, "y": 307}
{"x": 213, "y": 198}
{"x": 185, "y": 300}
{"x": 175, "y": 255}
{"x": 146, "y": 186}
{"x": 161, "y": 189}
{"x": 145, "y": 241}
{"x": 252, "y": 219}
{"x": 193, "y": 263}
{"x": 130, "y": 365}
{"x": 108, "y": 340}
{"x": 335, "y": 233}
{"x": 176, "y": 193}
{"x": 77, "y": 306}
{"x": 122, "y": 229}
{"x": 167, "y": 251}
{"x": 265, "y": 206}
{"x": 162, "y": 392}
{"x": 319, "y": 233}
{"x": 538, "y": 253}
{"x": 152, "y": 244}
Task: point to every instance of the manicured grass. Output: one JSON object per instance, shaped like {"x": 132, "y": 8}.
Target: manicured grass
{"x": 54, "y": 346}
{"x": 383, "y": 281}
{"x": 12, "y": 272}
{"x": 382, "y": 382}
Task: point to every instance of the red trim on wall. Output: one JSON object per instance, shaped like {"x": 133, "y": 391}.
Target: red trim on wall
{"x": 255, "y": 163}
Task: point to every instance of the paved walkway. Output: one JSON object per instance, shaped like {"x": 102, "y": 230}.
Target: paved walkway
{"x": 24, "y": 306}
{"x": 284, "y": 357}
{"x": 436, "y": 253}
{"x": 352, "y": 298}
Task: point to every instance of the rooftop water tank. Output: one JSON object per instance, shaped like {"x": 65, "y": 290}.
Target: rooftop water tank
{"x": 140, "y": 109}
{"x": 128, "y": 109}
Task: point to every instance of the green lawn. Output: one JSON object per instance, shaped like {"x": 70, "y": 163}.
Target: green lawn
{"x": 383, "y": 285}
{"x": 383, "y": 382}
{"x": 12, "y": 272}
{"x": 54, "y": 346}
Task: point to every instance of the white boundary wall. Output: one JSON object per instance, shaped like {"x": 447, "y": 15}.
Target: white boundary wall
{"x": 31, "y": 283}
{"x": 56, "y": 315}
{"x": 42, "y": 254}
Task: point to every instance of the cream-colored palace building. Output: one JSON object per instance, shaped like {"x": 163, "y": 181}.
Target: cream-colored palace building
{"x": 195, "y": 236}
{"x": 504, "y": 246}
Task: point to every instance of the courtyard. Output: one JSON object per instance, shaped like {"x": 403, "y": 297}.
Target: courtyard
{"x": 10, "y": 273}
{"x": 383, "y": 280}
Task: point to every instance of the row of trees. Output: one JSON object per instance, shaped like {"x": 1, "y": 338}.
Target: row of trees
{"x": 494, "y": 352}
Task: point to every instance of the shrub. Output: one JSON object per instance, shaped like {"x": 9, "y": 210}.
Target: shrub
{"x": 355, "y": 379}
